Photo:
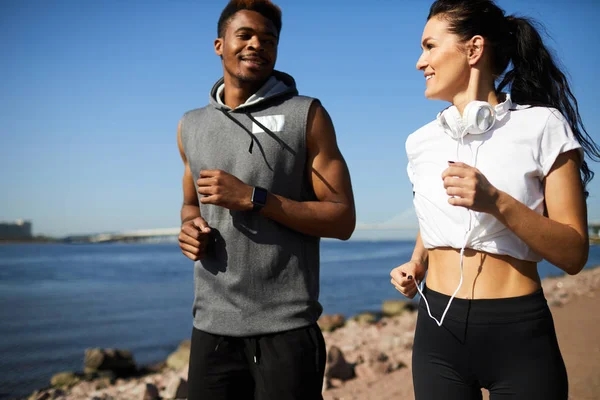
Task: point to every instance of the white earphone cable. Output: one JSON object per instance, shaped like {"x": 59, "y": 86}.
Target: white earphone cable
{"x": 462, "y": 250}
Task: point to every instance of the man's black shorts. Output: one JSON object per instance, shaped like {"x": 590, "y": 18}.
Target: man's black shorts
{"x": 287, "y": 365}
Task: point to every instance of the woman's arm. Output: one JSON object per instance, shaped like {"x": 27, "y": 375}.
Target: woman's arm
{"x": 561, "y": 237}
{"x": 406, "y": 276}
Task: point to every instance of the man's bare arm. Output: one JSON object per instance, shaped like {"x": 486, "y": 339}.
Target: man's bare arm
{"x": 333, "y": 215}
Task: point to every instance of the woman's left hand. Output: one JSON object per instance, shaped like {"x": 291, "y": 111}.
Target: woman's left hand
{"x": 469, "y": 188}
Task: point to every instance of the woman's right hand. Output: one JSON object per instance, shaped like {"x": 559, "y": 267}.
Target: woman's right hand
{"x": 406, "y": 277}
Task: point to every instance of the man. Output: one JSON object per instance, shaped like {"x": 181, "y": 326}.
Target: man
{"x": 263, "y": 181}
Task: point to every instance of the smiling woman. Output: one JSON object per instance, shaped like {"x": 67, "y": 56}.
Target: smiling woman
{"x": 499, "y": 185}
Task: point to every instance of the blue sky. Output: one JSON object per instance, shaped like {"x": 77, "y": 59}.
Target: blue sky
{"x": 91, "y": 93}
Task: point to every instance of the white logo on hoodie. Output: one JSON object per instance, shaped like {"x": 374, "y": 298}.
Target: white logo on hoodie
{"x": 274, "y": 123}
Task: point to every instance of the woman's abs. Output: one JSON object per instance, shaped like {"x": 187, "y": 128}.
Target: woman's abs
{"x": 485, "y": 276}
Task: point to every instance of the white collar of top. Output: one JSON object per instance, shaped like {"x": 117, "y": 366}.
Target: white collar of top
{"x": 503, "y": 108}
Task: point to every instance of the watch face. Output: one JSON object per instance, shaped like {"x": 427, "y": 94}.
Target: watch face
{"x": 259, "y": 196}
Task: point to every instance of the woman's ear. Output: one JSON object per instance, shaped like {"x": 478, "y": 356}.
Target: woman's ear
{"x": 475, "y": 49}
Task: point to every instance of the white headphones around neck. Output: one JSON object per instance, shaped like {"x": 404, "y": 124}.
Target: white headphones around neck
{"x": 478, "y": 117}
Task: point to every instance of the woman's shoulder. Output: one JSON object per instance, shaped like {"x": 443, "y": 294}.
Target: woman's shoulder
{"x": 536, "y": 122}
{"x": 543, "y": 113}
{"x": 425, "y": 132}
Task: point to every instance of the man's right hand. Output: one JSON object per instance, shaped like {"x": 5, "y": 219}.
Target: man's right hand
{"x": 193, "y": 238}
{"x": 406, "y": 277}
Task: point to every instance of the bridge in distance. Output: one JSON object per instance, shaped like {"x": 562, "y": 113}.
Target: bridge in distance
{"x": 127, "y": 236}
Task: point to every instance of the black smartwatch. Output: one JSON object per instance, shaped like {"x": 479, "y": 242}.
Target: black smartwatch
{"x": 259, "y": 198}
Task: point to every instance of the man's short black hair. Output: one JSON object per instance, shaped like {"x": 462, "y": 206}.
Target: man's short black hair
{"x": 263, "y": 7}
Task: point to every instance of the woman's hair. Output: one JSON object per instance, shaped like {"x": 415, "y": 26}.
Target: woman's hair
{"x": 534, "y": 77}
{"x": 264, "y": 7}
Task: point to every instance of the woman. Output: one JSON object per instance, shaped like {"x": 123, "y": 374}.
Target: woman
{"x": 499, "y": 184}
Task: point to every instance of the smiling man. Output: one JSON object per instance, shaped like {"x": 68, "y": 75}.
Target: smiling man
{"x": 264, "y": 180}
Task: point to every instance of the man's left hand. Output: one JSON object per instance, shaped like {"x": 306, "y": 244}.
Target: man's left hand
{"x": 225, "y": 190}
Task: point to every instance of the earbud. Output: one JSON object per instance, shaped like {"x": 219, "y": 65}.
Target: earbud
{"x": 478, "y": 117}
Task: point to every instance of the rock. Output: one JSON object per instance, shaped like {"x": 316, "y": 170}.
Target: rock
{"x": 37, "y": 395}
{"x": 329, "y": 323}
{"x": 395, "y": 307}
{"x": 337, "y": 367}
{"x": 151, "y": 392}
{"x": 555, "y": 303}
{"x": 57, "y": 393}
{"x": 97, "y": 375}
{"x": 387, "y": 342}
{"x": 375, "y": 365}
{"x": 366, "y": 318}
{"x": 375, "y": 356}
{"x": 398, "y": 364}
{"x": 118, "y": 361}
{"x": 153, "y": 368}
{"x": 372, "y": 371}
{"x": 177, "y": 389}
{"x": 184, "y": 372}
{"x": 336, "y": 382}
{"x": 102, "y": 383}
{"x": 64, "y": 379}
{"x": 180, "y": 357}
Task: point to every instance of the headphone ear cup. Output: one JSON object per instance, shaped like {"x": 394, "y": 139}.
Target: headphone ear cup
{"x": 452, "y": 122}
{"x": 479, "y": 117}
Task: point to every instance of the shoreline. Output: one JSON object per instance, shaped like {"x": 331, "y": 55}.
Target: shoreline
{"x": 39, "y": 240}
{"x": 594, "y": 241}
{"x": 367, "y": 355}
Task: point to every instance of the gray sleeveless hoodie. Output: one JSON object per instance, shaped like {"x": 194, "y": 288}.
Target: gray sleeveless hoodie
{"x": 258, "y": 276}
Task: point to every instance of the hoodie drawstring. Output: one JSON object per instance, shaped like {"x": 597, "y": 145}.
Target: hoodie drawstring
{"x": 219, "y": 341}
{"x": 253, "y": 343}
{"x": 252, "y": 137}
{"x": 255, "y": 350}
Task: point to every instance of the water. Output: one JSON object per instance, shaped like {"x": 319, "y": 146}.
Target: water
{"x": 57, "y": 300}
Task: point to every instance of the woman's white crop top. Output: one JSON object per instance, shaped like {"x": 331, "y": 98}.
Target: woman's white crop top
{"x": 515, "y": 156}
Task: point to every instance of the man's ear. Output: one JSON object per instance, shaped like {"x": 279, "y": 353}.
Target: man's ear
{"x": 475, "y": 49}
{"x": 219, "y": 47}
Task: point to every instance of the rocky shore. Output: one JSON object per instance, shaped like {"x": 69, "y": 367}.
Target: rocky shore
{"x": 368, "y": 355}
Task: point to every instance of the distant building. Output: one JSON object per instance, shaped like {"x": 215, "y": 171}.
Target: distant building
{"x": 15, "y": 230}
{"x": 594, "y": 229}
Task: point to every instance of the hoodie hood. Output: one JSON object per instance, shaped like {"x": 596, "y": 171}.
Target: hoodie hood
{"x": 278, "y": 85}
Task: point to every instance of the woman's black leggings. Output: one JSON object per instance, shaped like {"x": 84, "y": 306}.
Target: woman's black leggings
{"x": 507, "y": 346}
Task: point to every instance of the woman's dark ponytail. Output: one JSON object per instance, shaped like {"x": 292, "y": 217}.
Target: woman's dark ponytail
{"x": 535, "y": 79}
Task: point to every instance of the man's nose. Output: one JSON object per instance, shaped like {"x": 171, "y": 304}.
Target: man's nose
{"x": 255, "y": 43}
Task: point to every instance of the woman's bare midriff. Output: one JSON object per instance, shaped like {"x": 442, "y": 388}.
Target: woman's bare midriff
{"x": 485, "y": 276}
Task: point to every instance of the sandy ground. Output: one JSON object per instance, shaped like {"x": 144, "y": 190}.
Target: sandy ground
{"x": 578, "y": 330}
